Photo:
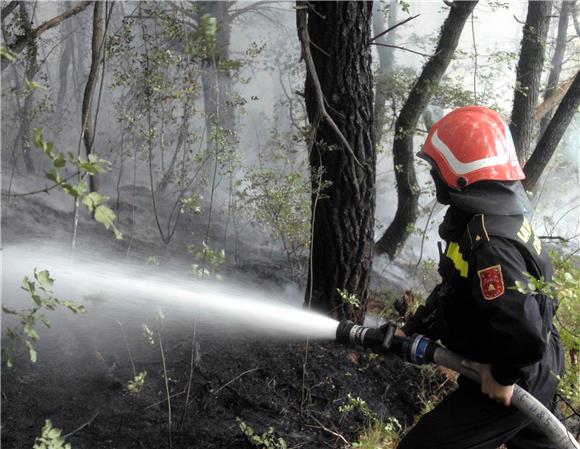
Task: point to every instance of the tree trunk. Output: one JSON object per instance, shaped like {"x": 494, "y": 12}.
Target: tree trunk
{"x": 65, "y": 62}
{"x": 557, "y": 59}
{"x": 31, "y": 69}
{"x": 551, "y": 137}
{"x": 407, "y": 188}
{"x": 87, "y": 122}
{"x": 343, "y": 212}
{"x": 386, "y": 63}
{"x": 528, "y": 76}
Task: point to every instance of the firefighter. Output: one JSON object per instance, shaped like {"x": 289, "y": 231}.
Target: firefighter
{"x": 504, "y": 334}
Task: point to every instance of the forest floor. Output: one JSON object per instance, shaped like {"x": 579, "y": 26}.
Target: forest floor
{"x": 80, "y": 381}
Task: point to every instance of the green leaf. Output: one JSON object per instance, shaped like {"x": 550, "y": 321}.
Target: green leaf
{"x": 59, "y": 161}
{"x": 106, "y": 216}
{"x": 31, "y": 352}
{"x": 8, "y": 311}
{"x": 45, "y": 280}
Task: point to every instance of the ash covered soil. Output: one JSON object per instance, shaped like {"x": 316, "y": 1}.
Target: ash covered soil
{"x": 80, "y": 381}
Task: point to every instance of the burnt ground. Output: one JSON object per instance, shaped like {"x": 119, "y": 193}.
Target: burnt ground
{"x": 80, "y": 381}
{"x": 258, "y": 382}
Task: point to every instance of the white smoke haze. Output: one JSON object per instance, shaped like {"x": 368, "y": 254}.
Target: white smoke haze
{"x": 275, "y": 72}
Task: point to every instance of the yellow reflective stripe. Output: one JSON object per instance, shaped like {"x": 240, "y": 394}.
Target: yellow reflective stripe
{"x": 455, "y": 255}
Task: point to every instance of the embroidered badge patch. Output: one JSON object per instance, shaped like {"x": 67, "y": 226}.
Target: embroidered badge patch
{"x": 491, "y": 282}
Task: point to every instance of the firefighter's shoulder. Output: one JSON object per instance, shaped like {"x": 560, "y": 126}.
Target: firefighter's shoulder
{"x": 484, "y": 227}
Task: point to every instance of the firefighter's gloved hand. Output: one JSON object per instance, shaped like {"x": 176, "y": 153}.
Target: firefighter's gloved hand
{"x": 489, "y": 386}
{"x": 390, "y": 329}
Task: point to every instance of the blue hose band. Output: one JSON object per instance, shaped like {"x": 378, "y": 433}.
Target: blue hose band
{"x": 421, "y": 350}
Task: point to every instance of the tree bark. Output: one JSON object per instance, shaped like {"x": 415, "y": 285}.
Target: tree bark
{"x": 551, "y": 138}
{"x": 86, "y": 116}
{"x": 528, "y": 75}
{"x": 557, "y": 59}
{"x": 407, "y": 188}
{"x": 22, "y": 41}
{"x": 342, "y": 155}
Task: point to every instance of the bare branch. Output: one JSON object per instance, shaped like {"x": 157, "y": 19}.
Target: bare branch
{"x": 22, "y": 41}
{"x": 425, "y": 55}
{"x": 7, "y": 10}
{"x": 393, "y": 27}
{"x": 310, "y": 67}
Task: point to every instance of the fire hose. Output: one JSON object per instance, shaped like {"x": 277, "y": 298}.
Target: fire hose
{"x": 419, "y": 349}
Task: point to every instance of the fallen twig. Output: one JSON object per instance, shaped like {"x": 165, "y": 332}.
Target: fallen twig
{"x": 213, "y": 391}
{"x": 87, "y": 424}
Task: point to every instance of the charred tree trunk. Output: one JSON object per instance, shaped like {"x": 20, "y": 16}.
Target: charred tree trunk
{"x": 407, "y": 188}
{"x": 87, "y": 122}
{"x": 342, "y": 155}
{"x": 551, "y": 137}
{"x": 528, "y": 76}
{"x": 386, "y": 63}
{"x": 557, "y": 59}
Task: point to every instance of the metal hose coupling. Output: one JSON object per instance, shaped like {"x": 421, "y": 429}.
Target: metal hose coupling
{"x": 376, "y": 339}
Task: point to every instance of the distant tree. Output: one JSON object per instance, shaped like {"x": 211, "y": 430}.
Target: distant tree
{"x": 339, "y": 100}
{"x": 97, "y": 47}
{"x": 403, "y": 154}
{"x": 552, "y": 135}
{"x": 528, "y": 76}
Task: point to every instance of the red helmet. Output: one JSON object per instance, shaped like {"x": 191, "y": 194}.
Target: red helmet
{"x": 472, "y": 144}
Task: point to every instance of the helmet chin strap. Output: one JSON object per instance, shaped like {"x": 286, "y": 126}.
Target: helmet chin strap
{"x": 491, "y": 197}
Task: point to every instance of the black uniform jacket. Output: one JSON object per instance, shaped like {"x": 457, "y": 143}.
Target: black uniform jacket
{"x": 478, "y": 312}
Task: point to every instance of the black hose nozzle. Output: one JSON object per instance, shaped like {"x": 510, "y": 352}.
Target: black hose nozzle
{"x": 377, "y": 339}
{"x": 416, "y": 349}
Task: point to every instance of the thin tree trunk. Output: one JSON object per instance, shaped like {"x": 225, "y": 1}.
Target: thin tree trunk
{"x": 407, "y": 188}
{"x": 87, "y": 124}
{"x": 386, "y": 62}
{"x": 551, "y": 138}
{"x": 65, "y": 62}
{"x": 342, "y": 156}
{"x": 31, "y": 70}
{"x": 557, "y": 59}
{"x": 528, "y": 75}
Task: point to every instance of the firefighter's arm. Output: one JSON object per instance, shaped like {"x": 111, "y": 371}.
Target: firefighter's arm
{"x": 515, "y": 322}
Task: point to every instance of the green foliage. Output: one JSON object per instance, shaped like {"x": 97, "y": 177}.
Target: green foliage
{"x": 208, "y": 261}
{"x": 40, "y": 291}
{"x": 7, "y": 54}
{"x": 136, "y": 385}
{"x": 51, "y": 438}
{"x": 380, "y": 435}
{"x": 349, "y": 298}
{"x": 377, "y": 433}
{"x": 266, "y": 440}
{"x": 565, "y": 288}
{"x": 353, "y": 404}
{"x": 94, "y": 201}
{"x": 148, "y": 334}
{"x": 277, "y": 196}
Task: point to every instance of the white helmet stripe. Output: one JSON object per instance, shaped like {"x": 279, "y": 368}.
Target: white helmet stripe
{"x": 462, "y": 168}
